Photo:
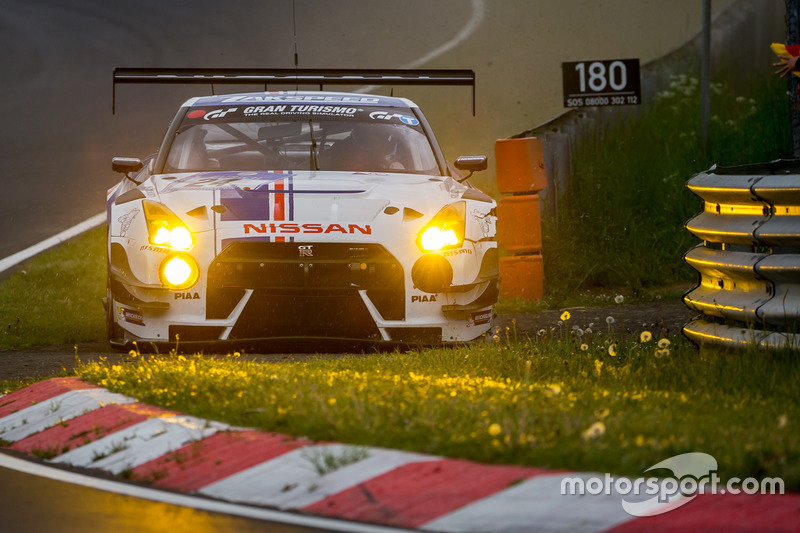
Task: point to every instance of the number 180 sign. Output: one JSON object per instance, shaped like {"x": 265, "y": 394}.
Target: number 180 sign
{"x": 601, "y": 83}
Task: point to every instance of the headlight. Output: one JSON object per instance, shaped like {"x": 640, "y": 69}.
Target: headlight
{"x": 445, "y": 230}
{"x": 179, "y": 272}
{"x": 165, "y": 228}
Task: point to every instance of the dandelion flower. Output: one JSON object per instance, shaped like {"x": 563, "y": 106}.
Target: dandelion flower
{"x": 595, "y": 430}
{"x": 584, "y": 347}
{"x": 541, "y": 332}
{"x": 618, "y": 299}
{"x": 565, "y": 316}
{"x": 612, "y": 350}
{"x": 662, "y": 353}
{"x": 495, "y": 429}
{"x": 610, "y": 320}
{"x": 597, "y": 366}
{"x": 663, "y": 343}
{"x": 646, "y": 336}
{"x": 553, "y": 389}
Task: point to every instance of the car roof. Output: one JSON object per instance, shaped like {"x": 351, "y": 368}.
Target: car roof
{"x": 301, "y": 97}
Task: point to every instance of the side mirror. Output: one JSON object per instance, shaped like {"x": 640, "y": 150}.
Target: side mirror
{"x": 126, "y": 165}
{"x": 472, "y": 163}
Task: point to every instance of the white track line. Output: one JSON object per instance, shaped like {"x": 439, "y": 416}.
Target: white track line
{"x": 205, "y": 504}
{"x": 74, "y": 231}
{"x": 475, "y": 20}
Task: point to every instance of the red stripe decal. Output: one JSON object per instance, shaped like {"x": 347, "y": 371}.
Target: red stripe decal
{"x": 39, "y": 392}
{"x": 417, "y": 493}
{"x": 221, "y": 455}
{"x": 279, "y": 202}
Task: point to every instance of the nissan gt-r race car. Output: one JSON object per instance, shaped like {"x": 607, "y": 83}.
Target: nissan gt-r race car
{"x": 299, "y": 214}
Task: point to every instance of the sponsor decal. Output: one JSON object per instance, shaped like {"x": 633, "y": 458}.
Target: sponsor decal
{"x": 219, "y": 113}
{"x": 292, "y": 227}
{"x": 460, "y": 251}
{"x": 151, "y": 248}
{"x": 297, "y": 109}
{"x": 126, "y": 220}
{"x": 187, "y": 296}
{"x": 302, "y": 98}
{"x": 405, "y": 119}
{"x": 130, "y": 315}
{"x": 423, "y": 298}
{"x": 480, "y": 318}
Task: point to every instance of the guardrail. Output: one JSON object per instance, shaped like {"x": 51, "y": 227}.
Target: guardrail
{"x": 749, "y": 261}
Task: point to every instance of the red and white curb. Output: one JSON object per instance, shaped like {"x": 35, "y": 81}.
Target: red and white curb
{"x": 70, "y": 422}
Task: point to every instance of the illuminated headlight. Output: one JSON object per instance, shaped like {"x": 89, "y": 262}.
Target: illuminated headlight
{"x": 165, "y": 228}
{"x": 179, "y": 272}
{"x": 445, "y": 230}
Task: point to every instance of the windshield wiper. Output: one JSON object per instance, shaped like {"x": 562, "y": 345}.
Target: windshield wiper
{"x": 314, "y": 165}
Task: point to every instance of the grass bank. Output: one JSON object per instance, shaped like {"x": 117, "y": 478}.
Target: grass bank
{"x": 56, "y": 297}
{"x": 621, "y": 222}
{"x": 589, "y": 403}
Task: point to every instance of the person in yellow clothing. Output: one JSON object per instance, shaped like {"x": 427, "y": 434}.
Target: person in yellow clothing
{"x": 788, "y": 56}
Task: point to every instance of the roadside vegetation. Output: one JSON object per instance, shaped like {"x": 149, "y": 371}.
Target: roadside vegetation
{"x": 56, "y": 297}
{"x": 589, "y": 402}
{"x": 622, "y": 221}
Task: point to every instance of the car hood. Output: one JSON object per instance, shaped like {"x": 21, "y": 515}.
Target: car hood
{"x": 302, "y": 196}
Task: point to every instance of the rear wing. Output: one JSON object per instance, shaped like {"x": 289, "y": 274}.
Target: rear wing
{"x": 266, "y": 77}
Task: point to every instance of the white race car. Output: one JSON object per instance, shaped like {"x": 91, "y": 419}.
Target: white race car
{"x": 299, "y": 214}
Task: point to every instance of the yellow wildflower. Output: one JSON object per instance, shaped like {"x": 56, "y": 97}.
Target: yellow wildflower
{"x": 663, "y": 343}
{"x": 495, "y": 429}
{"x": 646, "y": 336}
{"x": 565, "y": 316}
{"x": 612, "y": 350}
{"x": 595, "y": 430}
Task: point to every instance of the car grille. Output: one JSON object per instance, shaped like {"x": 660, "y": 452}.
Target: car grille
{"x": 308, "y": 289}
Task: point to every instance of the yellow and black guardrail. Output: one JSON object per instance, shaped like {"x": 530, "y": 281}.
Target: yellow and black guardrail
{"x": 749, "y": 261}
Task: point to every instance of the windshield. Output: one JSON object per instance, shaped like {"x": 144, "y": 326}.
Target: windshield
{"x": 301, "y": 137}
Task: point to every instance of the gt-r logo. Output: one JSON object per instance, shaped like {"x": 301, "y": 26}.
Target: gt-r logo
{"x": 305, "y": 251}
{"x": 218, "y": 113}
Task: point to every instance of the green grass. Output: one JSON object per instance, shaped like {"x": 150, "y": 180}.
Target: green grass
{"x": 544, "y": 403}
{"x": 56, "y": 298}
{"x": 622, "y": 220}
